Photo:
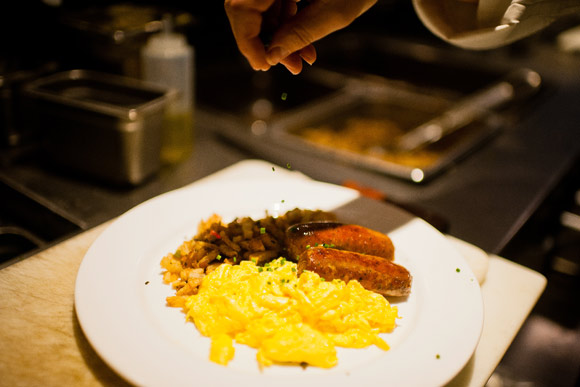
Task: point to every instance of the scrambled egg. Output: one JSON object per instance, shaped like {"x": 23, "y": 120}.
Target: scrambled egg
{"x": 288, "y": 319}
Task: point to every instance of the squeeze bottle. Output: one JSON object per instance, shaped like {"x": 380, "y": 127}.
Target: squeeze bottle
{"x": 168, "y": 60}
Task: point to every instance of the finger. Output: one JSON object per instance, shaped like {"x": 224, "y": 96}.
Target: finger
{"x": 258, "y": 5}
{"x": 289, "y": 8}
{"x": 315, "y": 21}
{"x": 245, "y": 17}
{"x": 308, "y": 53}
{"x": 293, "y": 63}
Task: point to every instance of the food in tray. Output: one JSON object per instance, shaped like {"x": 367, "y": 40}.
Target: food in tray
{"x": 294, "y": 287}
{"x": 368, "y": 137}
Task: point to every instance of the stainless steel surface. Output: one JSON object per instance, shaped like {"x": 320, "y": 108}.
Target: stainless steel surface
{"x": 380, "y": 107}
{"x": 519, "y": 84}
{"x": 104, "y": 125}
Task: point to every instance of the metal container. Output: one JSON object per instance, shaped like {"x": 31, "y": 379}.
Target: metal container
{"x": 401, "y": 132}
{"x": 104, "y": 125}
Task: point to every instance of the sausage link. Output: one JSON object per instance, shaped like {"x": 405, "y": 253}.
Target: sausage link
{"x": 338, "y": 236}
{"x": 373, "y": 273}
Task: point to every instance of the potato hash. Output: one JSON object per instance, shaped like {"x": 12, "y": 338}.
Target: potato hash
{"x": 216, "y": 243}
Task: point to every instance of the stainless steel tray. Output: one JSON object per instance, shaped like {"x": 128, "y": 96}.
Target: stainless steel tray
{"x": 104, "y": 125}
{"x": 402, "y": 132}
{"x": 439, "y": 107}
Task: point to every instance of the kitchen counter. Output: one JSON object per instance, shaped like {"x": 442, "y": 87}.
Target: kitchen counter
{"x": 43, "y": 344}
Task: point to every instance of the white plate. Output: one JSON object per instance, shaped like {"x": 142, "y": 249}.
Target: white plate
{"x": 120, "y": 297}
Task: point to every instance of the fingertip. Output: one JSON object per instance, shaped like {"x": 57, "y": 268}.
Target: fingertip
{"x": 308, "y": 54}
{"x": 293, "y": 63}
{"x": 261, "y": 67}
{"x": 294, "y": 70}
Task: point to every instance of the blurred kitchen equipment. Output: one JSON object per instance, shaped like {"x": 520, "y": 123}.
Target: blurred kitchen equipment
{"x": 488, "y": 24}
{"x": 168, "y": 60}
{"x": 366, "y": 93}
{"x": 363, "y": 130}
{"x": 12, "y": 132}
{"x": 267, "y": 95}
{"x": 519, "y": 84}
{"x": 110, "y": 38}
{"x": 107, "y": 126}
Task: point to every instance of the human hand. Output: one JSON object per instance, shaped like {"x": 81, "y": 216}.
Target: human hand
{"x": 293, "y": 30}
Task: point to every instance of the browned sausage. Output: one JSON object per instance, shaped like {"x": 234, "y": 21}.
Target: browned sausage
{"x": 373, "y": 273}
{"x": 338, "y": 236}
